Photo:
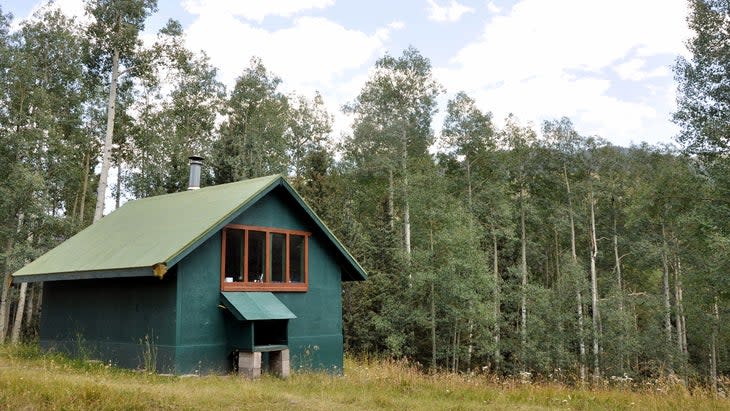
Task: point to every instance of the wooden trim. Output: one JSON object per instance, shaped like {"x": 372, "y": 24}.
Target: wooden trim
{"x": 306, "y": 260}
{"x": 267, "y": 257}
{"x": 268, "y": 229}
{"x": 245, "y": 256}
{"x": 267, "y": 285}
{"x": 287, "y": 275}
{"x": 224, "y": 234}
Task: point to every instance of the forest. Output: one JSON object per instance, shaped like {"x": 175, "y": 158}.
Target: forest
{"x": 519, "y": 250}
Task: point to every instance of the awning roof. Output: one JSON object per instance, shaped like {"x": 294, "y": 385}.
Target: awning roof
{"x": 253, "y": 306}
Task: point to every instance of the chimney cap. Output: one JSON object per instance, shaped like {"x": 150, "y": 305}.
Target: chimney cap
{"x": 197, "y": 159}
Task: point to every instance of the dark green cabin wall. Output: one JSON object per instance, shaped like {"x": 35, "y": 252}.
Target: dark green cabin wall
{"x": 315, "y": 336}
{"x": 108, "y": 319}
{"x": 201, "y": 334}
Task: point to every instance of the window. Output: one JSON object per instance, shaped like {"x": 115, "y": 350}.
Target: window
{"x": 263, "y": 259}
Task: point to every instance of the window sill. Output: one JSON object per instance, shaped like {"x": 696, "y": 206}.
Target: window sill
{"x": 282, "y": 287}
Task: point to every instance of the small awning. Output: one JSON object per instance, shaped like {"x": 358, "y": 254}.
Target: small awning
{"x": 255, "y": 306}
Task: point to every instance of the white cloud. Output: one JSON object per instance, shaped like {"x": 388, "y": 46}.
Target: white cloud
{"x": 255, "y": 10}
{"x": 634, "y": 70}
{"x": 313, "y": 53}
{"x": 450, "y": 13}
{"x": 396, "y": 25}
{"x": 548, "y": 59}
{"x": 309, "y": 54}
{"x": 71, "y": 8}
{"x": 493, "y": 8}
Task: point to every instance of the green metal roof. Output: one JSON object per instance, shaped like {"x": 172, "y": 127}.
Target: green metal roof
{"x": 256, "y": 306}
{"x": 161, "y": 230}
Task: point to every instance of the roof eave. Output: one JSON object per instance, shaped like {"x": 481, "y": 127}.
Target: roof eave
{"x": 85, "y": 275}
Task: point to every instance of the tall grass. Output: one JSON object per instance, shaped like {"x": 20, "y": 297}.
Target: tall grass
{"x": 32, "y": 380}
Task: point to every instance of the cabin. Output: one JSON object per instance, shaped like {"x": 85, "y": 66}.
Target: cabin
{"x": 234, "y": 277}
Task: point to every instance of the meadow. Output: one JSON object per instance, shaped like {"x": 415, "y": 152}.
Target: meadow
{"x": 31, "y": 380}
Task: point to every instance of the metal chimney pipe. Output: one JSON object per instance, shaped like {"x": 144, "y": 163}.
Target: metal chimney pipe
{"x": 196, "y": 162}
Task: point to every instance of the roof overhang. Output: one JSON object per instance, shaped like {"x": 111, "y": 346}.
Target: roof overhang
{"x": 85, "y": 275}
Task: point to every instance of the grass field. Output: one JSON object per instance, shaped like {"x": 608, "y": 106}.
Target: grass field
{"x": 29, "y": 380}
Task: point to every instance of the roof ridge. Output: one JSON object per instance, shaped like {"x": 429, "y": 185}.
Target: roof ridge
{"x": 203, "y": 189}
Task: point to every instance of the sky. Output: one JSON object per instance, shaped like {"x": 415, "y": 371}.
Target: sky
{"x": 607, "y": 65}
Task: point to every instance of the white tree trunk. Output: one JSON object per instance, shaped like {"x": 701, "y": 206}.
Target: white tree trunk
{"x": 4, "y": 303}
{"x": 619, "y": 276}
{"x": 713, "y": 346}
{"x": 497, "y": 299}
{"x": 574, "y": 255}
{"x": 433, "y": 326}
{"x": 523, "y": 292}
{"x": 667, "y": 300}
{"x": 406, "y": 204}
{"x": 391, "y": 200}
{"x": 29, "y": 302}
{"x": 15, "y": 336}
{"x": 106, "y": 153}
{"x": 620, "y": 286}
{"x": 679, "y": 319}
{"x": 594, "y": 292}
{"x": 84, "y": 189}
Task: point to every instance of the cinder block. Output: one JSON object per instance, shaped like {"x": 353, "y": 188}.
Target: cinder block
{"x": 279, "y": 363}
{"x": 249, "y": 364}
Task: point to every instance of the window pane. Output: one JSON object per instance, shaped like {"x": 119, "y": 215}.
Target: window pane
{"x": 234, "y": 250}
{"x": 278, "y": 257}
{"x": 256, "y": 256}
{"x": 296, "y": 258}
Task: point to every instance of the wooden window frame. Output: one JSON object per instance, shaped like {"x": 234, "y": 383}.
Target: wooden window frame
{"x": 267, "y": 285}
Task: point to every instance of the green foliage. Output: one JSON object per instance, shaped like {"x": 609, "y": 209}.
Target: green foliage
{"x": 703, "y": 98}
{"x": 252, "y": 142}
{"x": 436, "y": 220}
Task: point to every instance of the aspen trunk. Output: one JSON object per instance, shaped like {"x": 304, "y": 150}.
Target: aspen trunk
{"x": 406, "y": 204}
{"x": 713, "y": 346}
{"x": 667, "y": 301}
{"x": 84, "y": 188}
{"x": 617, "y": 262}
{"x": 581, "y": 338}
{"x": 681, "y": 321}
{"x": 497, "y": 300}
{"x": 557, "y": 255}
{"x": 29, "y": 301}
{"x": 20, "y": 310}
{"x": 433, "y": 309}
{"x": 470, "y": 326}
{"x": 619, "y": 284}
{"x": 118, "y": 191}
{"x": 523, "y": 298}
{"x": 391, "y": 200}
{"x": 4, "y": 304}
{"x": 5, "y": 295}
{"x": 457, "y": 348}
{"x": 107, "y": 149}
{"x": 594, "y": 292}
{"x": 470, "y": 346}
{"x": 574, "y": 255}
{"x": 433, "y": 327}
